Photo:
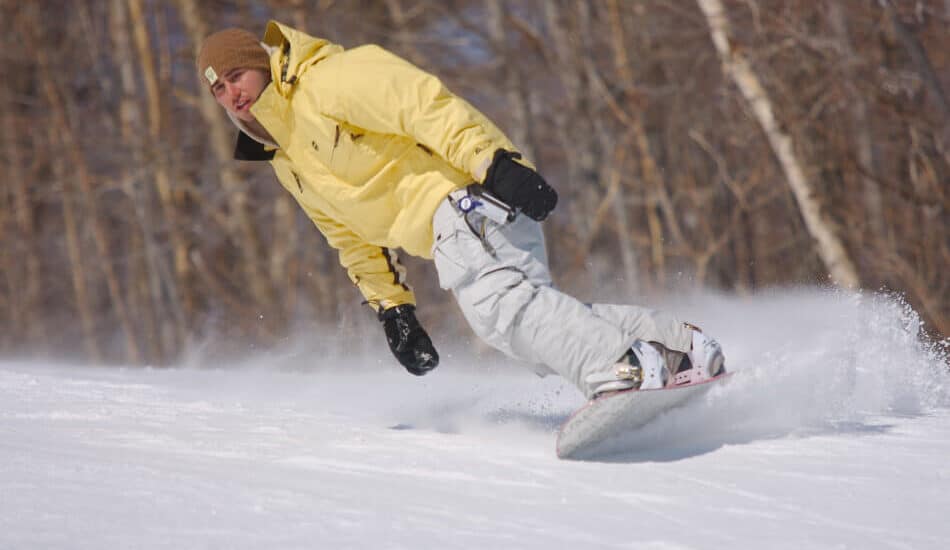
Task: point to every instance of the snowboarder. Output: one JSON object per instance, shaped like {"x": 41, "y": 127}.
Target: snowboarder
{"x": 380, "y": 155}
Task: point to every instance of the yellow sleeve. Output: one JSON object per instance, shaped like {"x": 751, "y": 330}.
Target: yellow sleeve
{"x": 376, "y": 90}
{"x": 375, "y": 270}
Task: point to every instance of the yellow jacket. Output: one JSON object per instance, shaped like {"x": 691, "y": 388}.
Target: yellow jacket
{"x": 369, "y": 145}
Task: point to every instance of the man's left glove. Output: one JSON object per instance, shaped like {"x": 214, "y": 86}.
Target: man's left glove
{"x": 407, "y": 339}
{"x": 519, "y": 186}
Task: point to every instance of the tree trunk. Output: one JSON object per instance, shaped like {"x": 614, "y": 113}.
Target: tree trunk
{"x": 628, "y": 253}
{"x": 830, "y": 247}
{"x": 80, "y": 172}
{"x": 516, "y": 100}
{"x": 919, "y": 57}
{"x": 87, "y": 321}
{"x": 26, "y": 294}
{"x": 861, "y": 128}
{"x": 568, "y": 118}
{"x": 172, "y": 331}
{"x": 144, "y": 302}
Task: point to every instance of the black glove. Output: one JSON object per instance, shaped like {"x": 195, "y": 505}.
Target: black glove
{"x": 519, "y": 186}
{"x": 407, "y": 339}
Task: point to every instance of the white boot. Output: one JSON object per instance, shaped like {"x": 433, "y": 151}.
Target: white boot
{"x": 706, "y": 355}
{"x": 653, "y": 364}
{"x": 643, "y": 367}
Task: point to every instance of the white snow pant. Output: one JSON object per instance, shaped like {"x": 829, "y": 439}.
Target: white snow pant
{"x": 503, "y": 285}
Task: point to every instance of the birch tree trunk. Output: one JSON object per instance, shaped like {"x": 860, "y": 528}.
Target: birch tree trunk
{"x": 831, "y": 249}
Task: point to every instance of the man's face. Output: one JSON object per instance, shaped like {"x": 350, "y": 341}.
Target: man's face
{"x": 238, "y": 89}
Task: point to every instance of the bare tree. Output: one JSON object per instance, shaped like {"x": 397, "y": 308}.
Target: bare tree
{"x": 830, "y": 247}
{"x": 69, "y": 142}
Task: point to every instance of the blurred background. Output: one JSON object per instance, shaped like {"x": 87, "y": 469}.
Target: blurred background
{"x": 732, "y": 146}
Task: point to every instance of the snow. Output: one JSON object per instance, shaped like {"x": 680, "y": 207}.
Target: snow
{"x": 834, "y": 433}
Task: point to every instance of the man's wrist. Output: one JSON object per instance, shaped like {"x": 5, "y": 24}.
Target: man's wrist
{"x": 394, "y": 311}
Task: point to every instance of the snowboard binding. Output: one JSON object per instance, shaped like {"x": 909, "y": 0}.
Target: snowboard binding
{"x": 650, "y": 365}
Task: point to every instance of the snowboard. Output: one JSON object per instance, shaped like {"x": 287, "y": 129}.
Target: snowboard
{"x": 615, "y": 415}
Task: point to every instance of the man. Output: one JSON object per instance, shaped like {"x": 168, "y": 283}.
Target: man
{"x": 380, "y": 155}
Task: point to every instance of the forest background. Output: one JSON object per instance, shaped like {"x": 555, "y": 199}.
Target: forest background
{"x": 733, "y": 145}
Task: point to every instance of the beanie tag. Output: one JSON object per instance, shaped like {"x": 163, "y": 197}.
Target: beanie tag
{"x": 211, "y": 75}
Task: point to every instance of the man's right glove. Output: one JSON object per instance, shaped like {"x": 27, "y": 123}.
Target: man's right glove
{"x": 407, "y": 339}
{"x": 519, "y": 186}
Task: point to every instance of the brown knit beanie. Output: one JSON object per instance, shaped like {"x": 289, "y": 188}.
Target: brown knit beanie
{"x": 230, "y": 49}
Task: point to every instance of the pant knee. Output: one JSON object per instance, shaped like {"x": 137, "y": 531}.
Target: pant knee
{"x": 493, "y": 302}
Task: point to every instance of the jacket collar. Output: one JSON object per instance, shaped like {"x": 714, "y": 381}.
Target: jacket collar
{"x": 247, "y": 148}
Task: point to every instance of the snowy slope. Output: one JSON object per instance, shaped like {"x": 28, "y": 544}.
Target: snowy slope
{"x": 835, "y": 433}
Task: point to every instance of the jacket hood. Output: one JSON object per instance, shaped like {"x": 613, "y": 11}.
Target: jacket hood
{"x": 298, "y": 50}
{"x": 291, "y": 52}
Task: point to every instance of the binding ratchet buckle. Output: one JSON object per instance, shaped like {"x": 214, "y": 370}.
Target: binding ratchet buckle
{"x": 629, "y": 372}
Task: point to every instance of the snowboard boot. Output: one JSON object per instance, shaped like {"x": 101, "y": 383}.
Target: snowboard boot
{"x": 651, "y": 361}
{"x": 703, "y": 361}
